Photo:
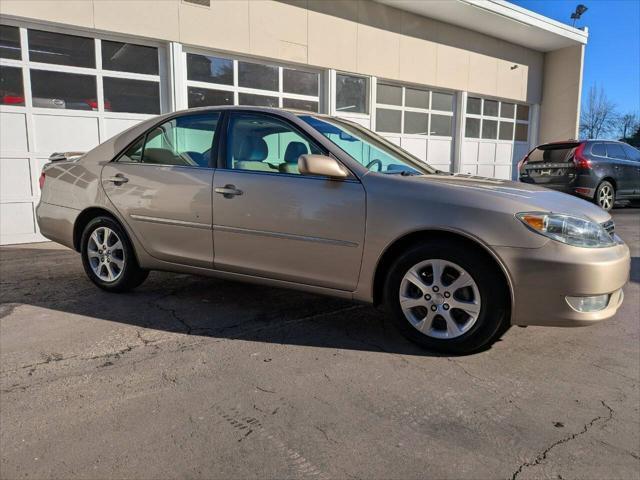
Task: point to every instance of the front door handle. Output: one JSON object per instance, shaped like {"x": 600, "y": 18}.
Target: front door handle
{"x": 118, "y": 179}
{"x": 228, "y": 191}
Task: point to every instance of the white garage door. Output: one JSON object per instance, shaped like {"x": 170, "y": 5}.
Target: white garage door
{"x": 61, "y": 92}
{"x": 419, "y": 120}
{"x": 496, "y": 137}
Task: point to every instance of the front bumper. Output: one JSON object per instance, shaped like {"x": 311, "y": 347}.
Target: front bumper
{"x": 543, "y": 278}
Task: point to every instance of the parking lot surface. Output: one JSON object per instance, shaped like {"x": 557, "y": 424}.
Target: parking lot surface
{"x": 192, "y": 377}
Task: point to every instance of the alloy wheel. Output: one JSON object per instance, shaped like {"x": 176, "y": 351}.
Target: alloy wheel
{"x": 440, "y": 299}
{"x": 605, "y": 197}
{"x": 105, "y": 252}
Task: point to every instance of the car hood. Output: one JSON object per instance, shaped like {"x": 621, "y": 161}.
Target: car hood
{"x": 513, "y": 197}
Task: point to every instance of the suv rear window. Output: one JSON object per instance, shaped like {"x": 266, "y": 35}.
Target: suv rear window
{"x": 552, "y": 153}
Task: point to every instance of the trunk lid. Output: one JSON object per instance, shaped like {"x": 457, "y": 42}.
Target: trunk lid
{"x": 551, "y": 165}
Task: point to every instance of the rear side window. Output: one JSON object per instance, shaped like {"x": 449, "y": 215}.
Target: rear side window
{"x": 615, "y": 150}
{"x": 186, "y": 141}
{"x": 632, "y": 153}
{"x": 599, "y": 150}
{"x": 556, "y": 153}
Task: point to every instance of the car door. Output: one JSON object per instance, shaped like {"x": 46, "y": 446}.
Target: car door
{"x": 624, "y": 169}
{"x": 633, "y": 154}
{"x": 162, "y": 188}
{"x": 271, "y": 221}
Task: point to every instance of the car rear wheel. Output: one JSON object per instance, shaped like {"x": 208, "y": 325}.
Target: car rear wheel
{"x": 447, "y": 298}
{"x": 108, "y": 257}
{"x": 605, "y": 195}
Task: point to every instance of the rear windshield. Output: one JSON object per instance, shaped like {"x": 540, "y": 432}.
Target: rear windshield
{"x": 556, "y": 153}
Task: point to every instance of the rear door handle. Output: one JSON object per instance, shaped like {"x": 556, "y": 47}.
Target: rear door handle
{"x": 228, "y": 191}
{"x": 118, "y": 179}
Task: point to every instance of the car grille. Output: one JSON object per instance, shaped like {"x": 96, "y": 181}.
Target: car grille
{"x": 610, "y": 227}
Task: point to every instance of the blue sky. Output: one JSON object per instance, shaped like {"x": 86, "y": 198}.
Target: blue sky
{"x": 612, "y": 57}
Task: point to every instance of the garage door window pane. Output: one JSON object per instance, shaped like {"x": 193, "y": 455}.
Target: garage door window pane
{"x": 10, "y": 42}
{"x": 389, "y": 94}
{"x": 209, "y": 69}
{"x": 523, "y": 112}
{"x": 255, "y": 75}
{"x": 474, "y": 105}
{"x": 49, "y": 47}
{"x": 416, "y": 123}
{"x": 352, "y": 94}
{"x": 507, "y": 110}
{"x": 127, "y": 57}
{"x": 132, "y": 96}
{"x": 388, "y": 120}
{"x": 441, "y": 125}
{"x": 442, "y": 101}
{"x": 416, "y": 98}
{"x": 506, "y": 131}
{"x": 472, "y": 128}
{"x": 11, "y": 89}
{"x": 489, "y": 129}
{"x": 258, "y": 100}
{"x": 204, "y": 97}
{"x": 490, "y": 108}
{"x": 63, "y": 90}
{"x": 306, "y": 105}
{"x": 522, "y": 132}
{"x": 300, "y": 82}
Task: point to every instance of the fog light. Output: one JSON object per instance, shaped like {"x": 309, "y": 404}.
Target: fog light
{"x": 588, "y": 304}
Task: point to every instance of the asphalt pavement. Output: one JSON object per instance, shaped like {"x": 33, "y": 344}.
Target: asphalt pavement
{"x": 192, "y": 377}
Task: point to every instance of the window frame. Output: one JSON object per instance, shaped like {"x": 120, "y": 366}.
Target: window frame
{"x": 497, "y": 118}
{"x": 223, "y": 147}
{"x": 235, "y": 87}
{"x": 429, "y": 111}
{"x": 27, "y": 65}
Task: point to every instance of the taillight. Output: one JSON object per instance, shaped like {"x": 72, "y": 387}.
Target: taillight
{"x": 522, "y": 162}
{"x": 42, "y": 179}
{"x": 12, "y": 100}
{"x": 581, "y": 162}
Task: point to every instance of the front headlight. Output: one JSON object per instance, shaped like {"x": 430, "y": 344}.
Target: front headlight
{"x": 575, "y": 231}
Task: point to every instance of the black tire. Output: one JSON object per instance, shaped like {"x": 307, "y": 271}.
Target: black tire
{"x": 130, "y": 276}
{"x": 600, "y": 196}
{"x": 492, "y": 321}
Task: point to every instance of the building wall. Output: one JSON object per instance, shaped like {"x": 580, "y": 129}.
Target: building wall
{"x": 562, "y": 85}
{"x": 358, "y": 36}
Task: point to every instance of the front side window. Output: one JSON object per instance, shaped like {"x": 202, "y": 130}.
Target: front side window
{"x": 261, "y": 143}
{"x": 352, "y": 94}
{"x": 370, "y": 150}
{"x": 185, "y": 141}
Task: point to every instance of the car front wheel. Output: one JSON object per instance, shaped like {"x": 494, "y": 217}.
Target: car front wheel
{"x": 447, "y": 298}
{"x": 108, "y": 257}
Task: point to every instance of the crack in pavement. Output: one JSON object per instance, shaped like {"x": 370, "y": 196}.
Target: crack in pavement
{"x": 543, "y": 456}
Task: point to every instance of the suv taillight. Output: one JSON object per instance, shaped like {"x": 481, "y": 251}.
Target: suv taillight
{"x": 42, "y": 179}
{"x": 581, "y": 162}
{"x": 522, "y": 162}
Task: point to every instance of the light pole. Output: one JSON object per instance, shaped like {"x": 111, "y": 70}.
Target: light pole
{"x": 580, "y": 9}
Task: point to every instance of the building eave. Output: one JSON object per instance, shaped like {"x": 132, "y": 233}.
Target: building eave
{"x": 499, "y": 19}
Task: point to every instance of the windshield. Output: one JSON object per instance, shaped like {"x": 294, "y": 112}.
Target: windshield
{"x": 365, "y": 147}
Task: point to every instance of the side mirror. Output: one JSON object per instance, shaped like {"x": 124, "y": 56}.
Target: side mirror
{"x": 321, "y": 165}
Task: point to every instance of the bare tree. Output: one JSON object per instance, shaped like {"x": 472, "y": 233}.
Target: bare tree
{"x": 598, "y": 116}
{"x": 627, "y": 124}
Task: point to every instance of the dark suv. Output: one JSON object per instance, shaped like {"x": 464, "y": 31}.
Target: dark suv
{"x": 599, "y": 170}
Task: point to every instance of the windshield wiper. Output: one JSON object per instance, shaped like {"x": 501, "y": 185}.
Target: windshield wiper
{"x": 404, "y": 173}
